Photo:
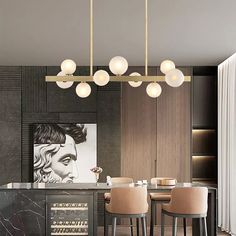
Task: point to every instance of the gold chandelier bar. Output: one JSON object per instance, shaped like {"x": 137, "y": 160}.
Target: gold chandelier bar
{"x": 112, "y": 78}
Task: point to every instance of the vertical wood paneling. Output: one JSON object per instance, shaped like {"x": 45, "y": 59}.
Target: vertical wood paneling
{"x": 173, "y": 132}
{"x": 138, "y": 132}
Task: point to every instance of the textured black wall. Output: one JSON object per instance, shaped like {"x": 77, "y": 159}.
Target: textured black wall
{"x": 10, "y": 124}
{"x": 25, "y": 99}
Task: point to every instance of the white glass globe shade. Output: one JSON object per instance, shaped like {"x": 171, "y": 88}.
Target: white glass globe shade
{"x": 153, "y": 90}
{"x": 68, "y": 66}
{"x": 167, "y": 66}
{"x": 101, "y": 77}
{"x": 83, "y": 90}
{"x": 118, "y": 65}
{"x": 174, "y": 78}
{"x": 63, "y": 84}
{"x": 135, "y": 84}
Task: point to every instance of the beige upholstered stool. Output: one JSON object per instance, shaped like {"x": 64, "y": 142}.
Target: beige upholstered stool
{"x": 159, "y": 198}
{"x": 129, "y": 202}
{"x": 107, "y": 196}
{"x": 118, "y": 180}
{"x": 186, "y": 202}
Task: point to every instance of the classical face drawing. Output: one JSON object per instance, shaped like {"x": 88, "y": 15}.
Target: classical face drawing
{"x": 55, "y": 152}
{"x": 64, "y": 161}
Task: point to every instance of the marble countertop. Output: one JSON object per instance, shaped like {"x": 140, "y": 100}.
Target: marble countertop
{"x": 92, "y": 186}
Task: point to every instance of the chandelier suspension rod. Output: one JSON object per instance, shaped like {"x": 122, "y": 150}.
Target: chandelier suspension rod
{"x": 146, "y": 37}
{"x": 91, "y": 37}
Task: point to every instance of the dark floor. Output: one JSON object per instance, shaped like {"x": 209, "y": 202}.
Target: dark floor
{"x": 125, "y": 231}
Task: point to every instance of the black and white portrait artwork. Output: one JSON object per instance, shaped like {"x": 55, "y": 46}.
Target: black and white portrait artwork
{"x": 64, "y": 153}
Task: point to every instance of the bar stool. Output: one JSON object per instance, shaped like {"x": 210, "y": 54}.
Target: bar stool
{"x": 107, "y": 197}
{"x": 129, "y": 202}
{"x": 186, "y": 202}
{"x": 118, "y": 180}
{"x": 157, "y": 198}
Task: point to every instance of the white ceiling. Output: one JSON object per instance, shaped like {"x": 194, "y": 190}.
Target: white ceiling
{"x": 44, "y": 32}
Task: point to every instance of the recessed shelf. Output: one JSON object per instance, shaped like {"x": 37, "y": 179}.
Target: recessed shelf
{"x": 204, "y": 179}
{"x": 203, "y": 155}
{"x": 203, "y": 127}
{"x": 203, "y": 130}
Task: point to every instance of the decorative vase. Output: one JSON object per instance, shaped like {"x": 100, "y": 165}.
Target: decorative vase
{"x": 97, "y": 177}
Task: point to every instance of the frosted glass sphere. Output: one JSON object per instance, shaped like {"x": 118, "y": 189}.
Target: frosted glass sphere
{"x": 167, "y": 66}
{"x": 135, "y": 84}
{"x": 83, "y": 90}
{"x": 101, "y": 77}
{"x": 174, "y": 78}
{"x": 68, "y": 66}
{"x": 118, "y": 65}
{"x": 153, "y": 90}
{"x": 63, "y": 84}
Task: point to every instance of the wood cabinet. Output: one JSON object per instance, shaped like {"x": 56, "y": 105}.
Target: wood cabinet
{"x": 138, "y": 132}
{"x": 173, "y": 132}
{"x": 156, "y": 133}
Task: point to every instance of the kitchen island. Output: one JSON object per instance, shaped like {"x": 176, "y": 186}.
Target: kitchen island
{"x": 67, "y": 209}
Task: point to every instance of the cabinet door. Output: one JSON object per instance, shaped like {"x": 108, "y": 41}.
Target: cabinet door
{"x": 138, "y": 132}
{"x": 174, "y": 132}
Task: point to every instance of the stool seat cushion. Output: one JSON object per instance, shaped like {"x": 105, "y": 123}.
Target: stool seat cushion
{"x": 160, "y": 196}
{"x": 107, "y": 196}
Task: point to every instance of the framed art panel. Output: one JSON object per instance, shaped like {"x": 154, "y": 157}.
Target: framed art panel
{"x": 64, "y": 153}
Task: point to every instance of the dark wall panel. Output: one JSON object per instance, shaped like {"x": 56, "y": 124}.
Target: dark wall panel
{"x": 109, "y": 137}
{"x": 10, "y": 124}
{"x": 46, "y": 103}
{"x": 66, "y": 100}
{"x": 204, "y": 101}
{"x": 33, "y": 89}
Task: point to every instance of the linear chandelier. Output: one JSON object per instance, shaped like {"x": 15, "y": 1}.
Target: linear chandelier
{"x": 118, "y": 66}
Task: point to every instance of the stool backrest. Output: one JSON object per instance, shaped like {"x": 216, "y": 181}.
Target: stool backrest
{"x": 189, "y": 200}
{"x": 121, "y": 180}
{"x": 128, "y": 200}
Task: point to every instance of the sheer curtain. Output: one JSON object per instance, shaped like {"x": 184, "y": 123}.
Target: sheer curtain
{"x": 227, "y": 145}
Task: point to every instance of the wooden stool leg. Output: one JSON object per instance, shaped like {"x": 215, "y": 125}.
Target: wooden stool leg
{"x": 153, "y": 217}
{"x": 137, "y": 226}
{"x": 174, "y": 226}
{"x": 205, "y": 226}
{"x": 131, "y": 227}
{"x": 143, "y": 220}
{"x": 113, "y": 226}
{"x": 184, "y": 221}
{"x": 162, "y": 223}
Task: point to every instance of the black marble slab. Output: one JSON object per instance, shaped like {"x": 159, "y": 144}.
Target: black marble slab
{"x": 22, "y": 213}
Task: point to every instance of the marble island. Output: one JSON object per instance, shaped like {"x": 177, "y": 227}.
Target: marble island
{"x": 66, "y": 209}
